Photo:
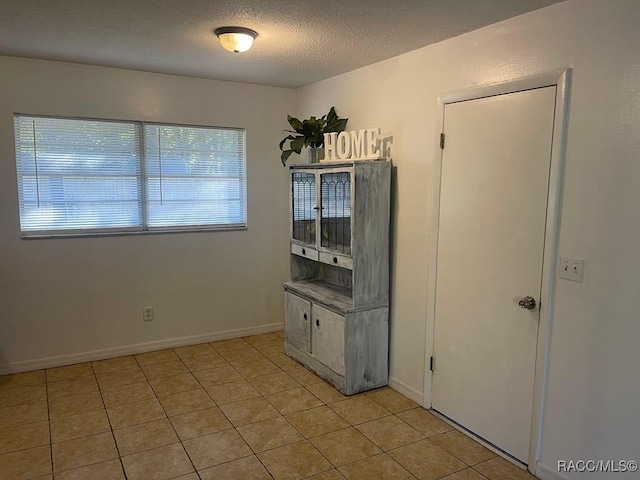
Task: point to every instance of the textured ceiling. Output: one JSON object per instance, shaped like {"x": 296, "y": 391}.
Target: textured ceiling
{"x": 299, "y": 42}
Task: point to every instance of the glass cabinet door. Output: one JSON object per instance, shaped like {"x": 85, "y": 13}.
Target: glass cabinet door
{"x": 303, "y": 207}
{"x": 335, "y": 217}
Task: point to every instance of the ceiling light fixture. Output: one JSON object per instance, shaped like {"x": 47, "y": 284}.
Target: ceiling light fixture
{"x": 236, "y": 39}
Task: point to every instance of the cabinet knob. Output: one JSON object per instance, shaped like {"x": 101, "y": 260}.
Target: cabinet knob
{"x": 304, "y": 252}
{"x": 305, "y": 316}
{"x": 317, "y": 322}
{"x": 335, "y": 259}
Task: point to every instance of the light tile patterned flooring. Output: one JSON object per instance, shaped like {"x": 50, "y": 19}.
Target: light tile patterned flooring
{"x": 234, "y": 409}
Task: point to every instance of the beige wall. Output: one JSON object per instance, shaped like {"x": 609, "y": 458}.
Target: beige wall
{"x": 594, "y": 388}
{"x": 69, "y": 296}
{"x": 61, "y": 297}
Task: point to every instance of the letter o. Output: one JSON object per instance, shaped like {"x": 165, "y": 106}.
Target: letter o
{"x": 344, "y": 145}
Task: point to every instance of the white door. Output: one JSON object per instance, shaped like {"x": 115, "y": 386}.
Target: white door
{"x": 493, "y": 204}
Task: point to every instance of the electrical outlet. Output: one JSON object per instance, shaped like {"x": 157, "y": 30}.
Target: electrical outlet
{"x": 571, "y": 268}
{"x": 147, "y": 314}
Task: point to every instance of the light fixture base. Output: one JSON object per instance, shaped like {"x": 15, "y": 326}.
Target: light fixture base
{"x": 236, "y": 39}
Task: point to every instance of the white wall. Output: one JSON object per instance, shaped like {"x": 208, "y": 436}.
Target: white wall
{"x": 594, "y": 385}
{"x": 68, "y": 296}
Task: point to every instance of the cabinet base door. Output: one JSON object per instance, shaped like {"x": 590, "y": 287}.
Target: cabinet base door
{"x": 328, "y": 338}
{"x": 297, "y": 321}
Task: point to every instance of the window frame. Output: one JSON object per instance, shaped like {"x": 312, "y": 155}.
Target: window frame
{"x": 143, "y": 229}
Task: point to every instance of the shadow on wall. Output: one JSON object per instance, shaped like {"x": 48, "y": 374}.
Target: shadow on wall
{"x": 392, "y": 230}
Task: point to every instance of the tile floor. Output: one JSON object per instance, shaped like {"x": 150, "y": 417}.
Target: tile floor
{"x": 234, "y": 409}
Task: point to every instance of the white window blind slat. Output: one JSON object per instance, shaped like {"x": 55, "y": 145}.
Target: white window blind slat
{"x": 195, "y": 176}
{"x": 87, "y": 176}
{"x": 77, "y": 174}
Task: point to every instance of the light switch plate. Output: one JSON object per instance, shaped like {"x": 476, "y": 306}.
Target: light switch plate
{"x": 571, "y": 268}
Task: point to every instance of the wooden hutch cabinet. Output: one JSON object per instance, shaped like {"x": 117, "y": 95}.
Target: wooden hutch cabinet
{"x": 337, "y": 302}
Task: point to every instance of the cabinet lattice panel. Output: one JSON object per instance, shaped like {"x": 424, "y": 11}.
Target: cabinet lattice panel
{"x": 335, "y": 220}
{"x": 303, "y": 194}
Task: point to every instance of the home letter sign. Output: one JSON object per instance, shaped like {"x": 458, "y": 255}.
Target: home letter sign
{"x": 356, "y": 144}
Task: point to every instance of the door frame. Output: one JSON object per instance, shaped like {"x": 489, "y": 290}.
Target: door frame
{"x": 561, "y": 79}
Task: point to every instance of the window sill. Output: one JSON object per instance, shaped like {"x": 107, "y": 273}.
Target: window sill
{"x": 44, "y": 236}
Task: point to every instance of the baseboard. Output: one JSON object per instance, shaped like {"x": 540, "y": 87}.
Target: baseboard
{"x": 406, "y": 390}
{"x": 547, "y": 473}
{"x": 60, "y": 360}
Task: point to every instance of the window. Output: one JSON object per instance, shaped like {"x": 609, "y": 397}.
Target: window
{"x": 96, "y": 176}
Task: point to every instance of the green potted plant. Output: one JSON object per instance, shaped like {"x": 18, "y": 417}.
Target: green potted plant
{"x": 310, "y": 133}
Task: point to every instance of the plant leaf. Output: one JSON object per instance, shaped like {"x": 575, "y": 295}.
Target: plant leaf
{"x": 295, "y": 123}
{"x": 288, "y": 137}
{"x": 310, "y": 132}
{"x": 285, "y": 156}
{"x": 338, "y": 125}
{"x": 332, "y": 116}
{"x": 297, "y": 144}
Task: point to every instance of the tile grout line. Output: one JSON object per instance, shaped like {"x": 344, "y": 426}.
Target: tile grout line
{"x": 480, "y": 473}
{"x": 106, "y": 412}
{"x": 46, "y": 400}
{"x": 349, "y": 425}
{"x": 48, "y": 420}
{"x": 167, "y": 416}
{"x": 46, "y": 393}
{"x": 177, "y": 393}
{"x": 279, "y": 370}
{"x": 51, "y": 443}
{"x": 233, "y": 427}
{"x": 146, "y": 381}
{"x": 255, "y": 454}
{"x": 261, "y": 395}
{"x": 108, "y": 419}
{"x": 304, "y": 439}
{"x": 456, "y": 455}
{"x": 29, "y": 423}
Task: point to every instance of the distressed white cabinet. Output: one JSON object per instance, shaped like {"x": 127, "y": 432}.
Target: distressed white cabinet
{"x": 327, "y": 338}
{"x": 337, "y": 302}
{"x": 297, "y": 328}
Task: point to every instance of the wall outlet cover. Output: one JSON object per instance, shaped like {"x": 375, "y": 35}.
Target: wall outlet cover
{"x": 571, "y": 268}
{"x": 147, "y": 314}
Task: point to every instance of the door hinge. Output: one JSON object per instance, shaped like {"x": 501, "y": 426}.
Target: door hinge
{"x": 442, "y": 140}
{"x": 431, "y": 364}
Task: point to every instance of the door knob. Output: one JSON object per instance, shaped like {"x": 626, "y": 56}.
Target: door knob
{"x": 528, "y": 303}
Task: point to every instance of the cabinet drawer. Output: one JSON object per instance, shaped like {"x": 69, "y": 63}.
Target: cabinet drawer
{"x": 327, "y": 338}
{"x": 339, "y": 260}
{"x": 303, "y": 251}
{"x": 297, "y": 321}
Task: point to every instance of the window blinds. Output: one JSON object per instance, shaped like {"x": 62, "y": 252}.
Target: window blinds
{"x": 194, "y": 176}
{"x": 79, "y": 176}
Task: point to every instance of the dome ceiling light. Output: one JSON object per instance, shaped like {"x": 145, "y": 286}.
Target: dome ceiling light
{"x": 236, "y": 39}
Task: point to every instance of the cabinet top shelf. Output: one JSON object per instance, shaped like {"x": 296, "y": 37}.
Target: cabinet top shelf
{"x": 331, "y": 296}
{"x": 337, "y": 164}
